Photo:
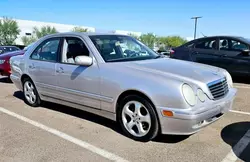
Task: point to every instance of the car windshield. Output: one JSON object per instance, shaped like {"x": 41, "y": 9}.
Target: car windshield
{"x": 245, "y": 39}
{"x": 248, "y": 39}
{"x": 115, "y": 48}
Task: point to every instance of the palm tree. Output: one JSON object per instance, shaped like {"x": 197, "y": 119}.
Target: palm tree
{"x": 28, "y": 40}
{"x": 9, "y": 31}
{"x": 43, "y": 31}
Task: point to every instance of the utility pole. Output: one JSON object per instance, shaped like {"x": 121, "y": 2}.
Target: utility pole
{"x": 195, "y": 24}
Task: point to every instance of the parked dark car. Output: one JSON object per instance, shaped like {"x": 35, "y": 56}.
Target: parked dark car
{"x": 5, "y": 49}
{"x": 228, "y": 52}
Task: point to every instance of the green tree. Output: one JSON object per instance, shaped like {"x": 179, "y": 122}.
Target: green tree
{"x": 28, "y": 40}
{"x": 79, "y": 29}
{"x": 172, "y": 41}
{"x": 9, "y": 31}
{"x": 43, "y": 31}
{"x": 148, "y": 39}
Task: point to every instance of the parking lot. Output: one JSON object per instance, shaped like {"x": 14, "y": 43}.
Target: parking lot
{"x": 59, "y": 133}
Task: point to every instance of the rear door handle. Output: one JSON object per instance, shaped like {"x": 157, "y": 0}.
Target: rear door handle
{"x": 60, "y": 70}
{"x": 224, "y": 55}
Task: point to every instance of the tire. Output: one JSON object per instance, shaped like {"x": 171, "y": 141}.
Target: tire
{"x": 34, "y": 100}
{"x": 130, "y": 118}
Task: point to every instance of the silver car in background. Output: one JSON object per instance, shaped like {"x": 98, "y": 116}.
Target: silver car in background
{"x": 118, "y": 77}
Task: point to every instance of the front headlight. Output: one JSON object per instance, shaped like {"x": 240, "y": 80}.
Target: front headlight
{"x": 2, "y": 61}
{"x": 188, "y": 94}
{"x": 229, "y": 79}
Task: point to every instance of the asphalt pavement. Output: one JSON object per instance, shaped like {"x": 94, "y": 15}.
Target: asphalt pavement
{"x": 55, "y": 132}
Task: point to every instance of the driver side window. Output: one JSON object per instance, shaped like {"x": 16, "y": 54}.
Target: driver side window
{"x": 73, "y": 47}
{"x": 238, "y": 46}
{"x": 232, "y": 45}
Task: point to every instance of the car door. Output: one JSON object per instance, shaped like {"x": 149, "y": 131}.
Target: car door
{"x": 205, "y": 51}
{"x": 235, "y": 60}
{"x": 183, "y": 52}
{"x": 41, "y": 66}
{"x": 77, "y": 83}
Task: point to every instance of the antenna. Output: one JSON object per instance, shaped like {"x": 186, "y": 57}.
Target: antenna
{"x": 203, "y": 35}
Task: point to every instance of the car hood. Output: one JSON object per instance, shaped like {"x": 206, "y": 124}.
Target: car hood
{"x": 10, "y": 54}
{"x": 177, "y": 69}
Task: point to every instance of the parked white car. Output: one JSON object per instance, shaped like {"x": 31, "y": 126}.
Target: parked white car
{"x": 143, "y": 91}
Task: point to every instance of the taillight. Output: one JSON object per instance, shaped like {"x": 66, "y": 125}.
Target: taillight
{"x": 171, "y": 53}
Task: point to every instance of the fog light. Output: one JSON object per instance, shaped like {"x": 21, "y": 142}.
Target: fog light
{"x": 167, "y": 113}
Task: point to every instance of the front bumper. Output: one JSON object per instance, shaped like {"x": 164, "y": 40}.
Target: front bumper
{"x": 190, "y": 121}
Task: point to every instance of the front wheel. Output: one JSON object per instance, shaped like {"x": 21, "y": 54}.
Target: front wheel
{"x": 31, "y": 96}
{"x": 137, "y": 118}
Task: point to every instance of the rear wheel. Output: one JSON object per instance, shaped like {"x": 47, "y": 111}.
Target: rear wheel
{"x": 31, "y": 96}
{"x": 137, "y": 118}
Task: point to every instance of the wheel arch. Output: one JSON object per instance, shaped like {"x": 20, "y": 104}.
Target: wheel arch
{"x": 138, "y": 93}
{"x": 25, "y": 76}
{"x": 133, "y": 92}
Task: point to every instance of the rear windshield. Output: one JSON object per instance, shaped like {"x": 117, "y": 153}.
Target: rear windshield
{"x": 8, "y": 49}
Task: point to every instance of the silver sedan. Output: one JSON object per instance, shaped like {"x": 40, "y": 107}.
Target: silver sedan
{"x": 118, "y": 77}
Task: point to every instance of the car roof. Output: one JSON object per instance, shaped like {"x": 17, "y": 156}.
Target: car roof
{"x": 227, "y": 36}
{"x": 224, "y": 36}
{"x": 84, "y": 33}
{"x": 9, "y": 46}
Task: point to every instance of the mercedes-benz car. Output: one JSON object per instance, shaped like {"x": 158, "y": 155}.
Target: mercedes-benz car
{"x": 118, "y": 77}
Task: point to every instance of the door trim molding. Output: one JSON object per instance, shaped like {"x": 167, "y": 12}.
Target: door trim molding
{"x": 76, "y": 92}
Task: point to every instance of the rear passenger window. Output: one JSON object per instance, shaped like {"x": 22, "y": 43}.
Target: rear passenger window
{"x": 206, "y": 44}
{"x": 189, "y": 45}
{"x": 47, "y": 50}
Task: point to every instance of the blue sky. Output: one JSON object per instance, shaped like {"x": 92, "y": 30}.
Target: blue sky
{"x": 163, "y": 17}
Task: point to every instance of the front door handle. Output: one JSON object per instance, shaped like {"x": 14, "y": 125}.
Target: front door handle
{"x": 32, "y": 66}
{"x": 60, "y": 70}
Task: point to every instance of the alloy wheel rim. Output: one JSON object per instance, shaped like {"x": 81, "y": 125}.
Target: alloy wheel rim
{"x": 29, "y": 92}
{"x": 136, "y": 118}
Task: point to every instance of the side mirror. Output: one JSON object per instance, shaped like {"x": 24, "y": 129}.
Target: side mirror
{"x": 84, "y": 60}
{"x": 246, "y": 52}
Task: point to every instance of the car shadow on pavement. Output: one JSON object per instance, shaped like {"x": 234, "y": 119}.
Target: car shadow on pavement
{"x": 233, "y": 133}
{"x": 170, "y": 138}
{"x": 98, "y": 119}
{"x": 5, "y": 80}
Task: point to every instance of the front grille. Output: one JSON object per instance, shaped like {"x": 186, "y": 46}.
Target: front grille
{"x": 218, "y": 88}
